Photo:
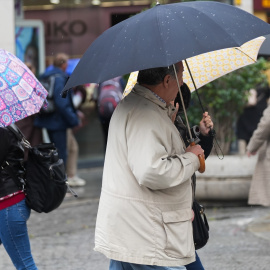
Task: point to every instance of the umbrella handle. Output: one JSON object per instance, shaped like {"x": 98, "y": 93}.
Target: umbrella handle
{"x": 201, "y": 159}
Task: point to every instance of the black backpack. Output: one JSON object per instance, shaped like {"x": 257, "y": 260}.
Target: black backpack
{"x": 45, "y": 184}
{"x": 48, "y": 83}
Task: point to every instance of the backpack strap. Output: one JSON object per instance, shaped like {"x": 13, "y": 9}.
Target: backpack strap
{"x": 52, "y": 78}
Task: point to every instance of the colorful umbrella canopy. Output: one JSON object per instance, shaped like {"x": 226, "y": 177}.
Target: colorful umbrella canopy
{"x": 204, "y": 68}
{"x": 21, "y": 94}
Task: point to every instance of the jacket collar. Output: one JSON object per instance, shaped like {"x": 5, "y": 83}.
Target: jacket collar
{"x": 148, "y": 94}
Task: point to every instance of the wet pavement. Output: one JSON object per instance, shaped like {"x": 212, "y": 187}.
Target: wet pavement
{"x": 64, "y": 239}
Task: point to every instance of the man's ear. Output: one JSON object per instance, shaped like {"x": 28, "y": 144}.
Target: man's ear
{"x": 166, "y": 81}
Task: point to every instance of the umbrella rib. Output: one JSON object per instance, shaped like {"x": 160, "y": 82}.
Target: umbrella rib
{"x": 182, "y": 101}
{"x": 245, "y": 54}
{"x": 196, "y": 90}
{"x": 159, "y": 27}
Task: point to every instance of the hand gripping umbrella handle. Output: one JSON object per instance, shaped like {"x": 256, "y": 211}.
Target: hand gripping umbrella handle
{"x": 201, "y": 159}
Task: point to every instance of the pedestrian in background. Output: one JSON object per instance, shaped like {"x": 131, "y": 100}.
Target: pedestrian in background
{"x": 78, "y": 98}
{"x": 64, "y": 116}
{"x": 259, "y": 193}
{"x": 14, "y": 212}
{"x": 109, "y": 95}
{"x": 144, "y": 219}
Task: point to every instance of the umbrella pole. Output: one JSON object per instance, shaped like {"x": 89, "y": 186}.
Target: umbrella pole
{"x": 183, "y": 104}
{"x": 192, "y": 142}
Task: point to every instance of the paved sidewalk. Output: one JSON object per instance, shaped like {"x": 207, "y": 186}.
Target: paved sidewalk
{"x": 64, "y": 239}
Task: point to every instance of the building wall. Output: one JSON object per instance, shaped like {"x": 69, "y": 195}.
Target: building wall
{"x": 7, "y": 22}
{"x": 246, "y": 5}
{"x": 261, "y": 5}
{"x": 262, "y": 9}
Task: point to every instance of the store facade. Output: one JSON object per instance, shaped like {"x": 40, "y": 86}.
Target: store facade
{"x": 262, "y": 9}
{"x": 73, "y": 30}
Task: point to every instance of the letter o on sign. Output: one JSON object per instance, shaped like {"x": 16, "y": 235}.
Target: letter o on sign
{"x": 77, "y": 28}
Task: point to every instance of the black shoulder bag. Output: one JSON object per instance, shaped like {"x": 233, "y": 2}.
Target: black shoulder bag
{"x": 45, "y": 184}
{"x": 200, "y": 223}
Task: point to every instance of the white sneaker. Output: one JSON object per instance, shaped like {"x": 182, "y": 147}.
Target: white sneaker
{"x": 76, "y": 181}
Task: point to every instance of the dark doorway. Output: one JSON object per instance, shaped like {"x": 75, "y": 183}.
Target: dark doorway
{"x": 117, "y": 18}
{"x": 268, "y": 16}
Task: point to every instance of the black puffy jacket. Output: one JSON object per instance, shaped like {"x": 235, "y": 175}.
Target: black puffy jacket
{"x": 12, "y": 151}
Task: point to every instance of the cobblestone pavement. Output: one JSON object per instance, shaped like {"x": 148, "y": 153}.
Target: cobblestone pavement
{"x": 64, "y": 239}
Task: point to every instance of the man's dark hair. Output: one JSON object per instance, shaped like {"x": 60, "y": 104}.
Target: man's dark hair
{"x": 60, "y": 59}
{"x": 186, "y": 97}
{"x": 154, "y": 76}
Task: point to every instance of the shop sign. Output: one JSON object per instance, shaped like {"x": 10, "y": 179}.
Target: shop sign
{"x": 62, "y": 32}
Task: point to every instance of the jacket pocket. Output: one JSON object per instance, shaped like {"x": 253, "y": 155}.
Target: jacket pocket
{"x": 178, "y": 230}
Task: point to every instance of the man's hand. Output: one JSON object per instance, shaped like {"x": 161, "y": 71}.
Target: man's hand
{"x": 195, "y": 149}
{"x": 206, "y": 124}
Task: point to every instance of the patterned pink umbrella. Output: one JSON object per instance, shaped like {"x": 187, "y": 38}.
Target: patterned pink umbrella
{"x": 21, "y": 94}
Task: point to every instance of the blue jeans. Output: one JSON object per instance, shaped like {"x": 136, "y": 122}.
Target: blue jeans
{"x": 197, "y": 265}
{"x": 14, "y": 235}
{"x": 117, "y": 265}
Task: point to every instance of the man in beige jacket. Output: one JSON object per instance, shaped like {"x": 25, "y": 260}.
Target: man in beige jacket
{"x": 145, "y": 213}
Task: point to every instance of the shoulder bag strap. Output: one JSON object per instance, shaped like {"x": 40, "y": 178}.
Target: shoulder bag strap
{"x": 17, "y": 132}
{"x": 5, "y": 166}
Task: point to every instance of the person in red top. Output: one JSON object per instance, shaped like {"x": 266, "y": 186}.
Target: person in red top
{"x": 14, "y": 212}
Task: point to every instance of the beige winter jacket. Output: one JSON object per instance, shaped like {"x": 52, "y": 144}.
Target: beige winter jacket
{"x": 259, "y": 192}
{"x": 144, "y": 214}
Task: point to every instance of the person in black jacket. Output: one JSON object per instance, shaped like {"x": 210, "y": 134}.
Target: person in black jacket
{"x": 14, "y": 212}
{"x": 206, "y": 142}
